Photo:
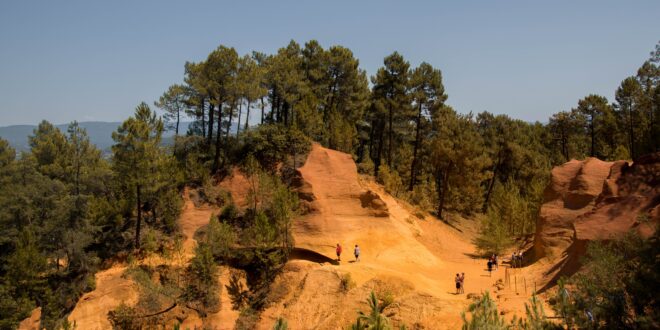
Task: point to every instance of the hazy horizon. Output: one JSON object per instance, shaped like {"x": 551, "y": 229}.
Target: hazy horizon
{"x": 96, "y": 62}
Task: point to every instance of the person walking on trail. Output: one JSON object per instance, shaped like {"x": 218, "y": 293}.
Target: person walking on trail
{"x": 490, "y": 267}
{"x": 357, "y": 253}
{"x": 514, "y": 256}
{"x": 462, "y": 278}
{"x": 457, "y": 279}
{"x": 495, "y": 261}
{"x": 338, "y": 252}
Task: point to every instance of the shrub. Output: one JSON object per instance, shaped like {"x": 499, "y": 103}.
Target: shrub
{"x": 346, "y": 282}
{"x": 220, "y": 237}
{"x": 484, "y": 315}
{"x": 124, "y": 317}
{"x": 280, "y": 324}
{"x": 390, "y": 180}
{"x": 202, "y": 289}
{"x": 493, "y": 237}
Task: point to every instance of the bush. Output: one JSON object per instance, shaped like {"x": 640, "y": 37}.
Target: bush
{"x": 202, "y": 289}
{"x": 280, "y": 324}
{"x": 493, "y": 237}
{"x": 124, "y": 317}
{"x": 346, "y": 282}
{"x": 220, "y": 238}
{"x": 617, "y": 287}
{"x": 484, "y": 315}
{"x": 390, "y": 180}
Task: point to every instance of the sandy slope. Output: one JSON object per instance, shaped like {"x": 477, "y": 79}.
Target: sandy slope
{"x": 112, "y": 289}
{"x": 412, "y": 258}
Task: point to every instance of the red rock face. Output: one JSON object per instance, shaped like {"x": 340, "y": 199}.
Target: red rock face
{"x": 595, "y": 200}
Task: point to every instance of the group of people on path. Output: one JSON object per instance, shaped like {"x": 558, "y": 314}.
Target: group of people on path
{"x": 516, "y": 259}
{"x": 460, "y": 283}
{"x": 356, "y": 252}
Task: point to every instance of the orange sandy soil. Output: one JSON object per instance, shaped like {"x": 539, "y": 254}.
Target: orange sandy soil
{"x": 414, "y": 259}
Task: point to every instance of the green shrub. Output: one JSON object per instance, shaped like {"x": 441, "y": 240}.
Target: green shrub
{"x": 391, "y": 181}
{"x": 484, "y": 315}
{"x": 124, "y": 317}
{"x": 346, "y": 282}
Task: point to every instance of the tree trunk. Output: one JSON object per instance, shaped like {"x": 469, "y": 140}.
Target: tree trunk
{"x": 201, "y": 108}
{"x": 231, "y": 116}
{"x": 178, "y": 119}
{"x": 218, "y": 142}
{"x": 263, "y": 107}
{"x": 211, "y": 116}
{"x": 491, "y": 183}
{"x": 238, "y": 126}
{"x": 632, "y": 136}
{"x": 443, "y": 193}
{"x": 413, "y": 176}
{"x": 247, "y": 117}
{"x": 591, "y": 127}
{"x": 380, "y": 149}
{"x": 139, "y": 218}
{"x": 389, "y": 145}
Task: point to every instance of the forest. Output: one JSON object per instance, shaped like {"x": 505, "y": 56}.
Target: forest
{"x": 68, "y": 211}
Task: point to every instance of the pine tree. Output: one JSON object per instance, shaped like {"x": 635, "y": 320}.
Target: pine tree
{"x": 627, "y": 96}
{"x": 136, "y": 156}
{"x": 390, "y": 92}
{"x": 458, "y": 162}
{"x": 428, "y": 95}
{"x": 173, "y": 102}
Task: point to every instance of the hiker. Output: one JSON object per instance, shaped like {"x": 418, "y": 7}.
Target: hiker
{"x": 490, "y": 267}
{"x": 338, "y": 252}
{"x": 520, "y": 259}
{"x": 357, "y": 253}
{"x": 462, "y": 283}
{"x": 495, "y": 261}
{"x": 514, "y": 256}
{"x": 457, "y": 279}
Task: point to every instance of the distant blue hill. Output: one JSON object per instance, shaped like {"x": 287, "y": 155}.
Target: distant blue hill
{"x": 100, "y": 134}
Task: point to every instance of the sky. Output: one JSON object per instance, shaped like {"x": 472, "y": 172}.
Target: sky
{"x": 97, "y": 60}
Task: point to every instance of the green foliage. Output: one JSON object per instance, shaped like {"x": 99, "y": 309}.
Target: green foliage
{"x": 203, "y": 289}
{"x": 391, "y": 181}
{"x": 144, "y": 171}
{"x": 271, "y": 145}
{"x": 484, "y": 315}
{"x": 14, "y": 307}
{"x": 615, "y": 290}
{"x": 124, "y": 317}
{"x": 493, "y": 236}
{"x": 220, "y": 237}
{"x": 375, "y": 319}
{"x": 280, "y": 324}
{"x": 346, "y": 282}
{"x": 458, "y": 163}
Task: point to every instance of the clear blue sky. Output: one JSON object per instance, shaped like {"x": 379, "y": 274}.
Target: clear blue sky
{"x": 96, "y": 60}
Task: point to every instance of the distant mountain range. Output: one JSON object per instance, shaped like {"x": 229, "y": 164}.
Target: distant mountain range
{"x": 100, "y": 134}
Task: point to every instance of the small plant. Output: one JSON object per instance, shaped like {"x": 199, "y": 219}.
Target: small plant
{"x": 346, "y": 282}
{"x": 484, "y": 315}
{"x": 375, "y": 319}
{"x": 280, "y": 324}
